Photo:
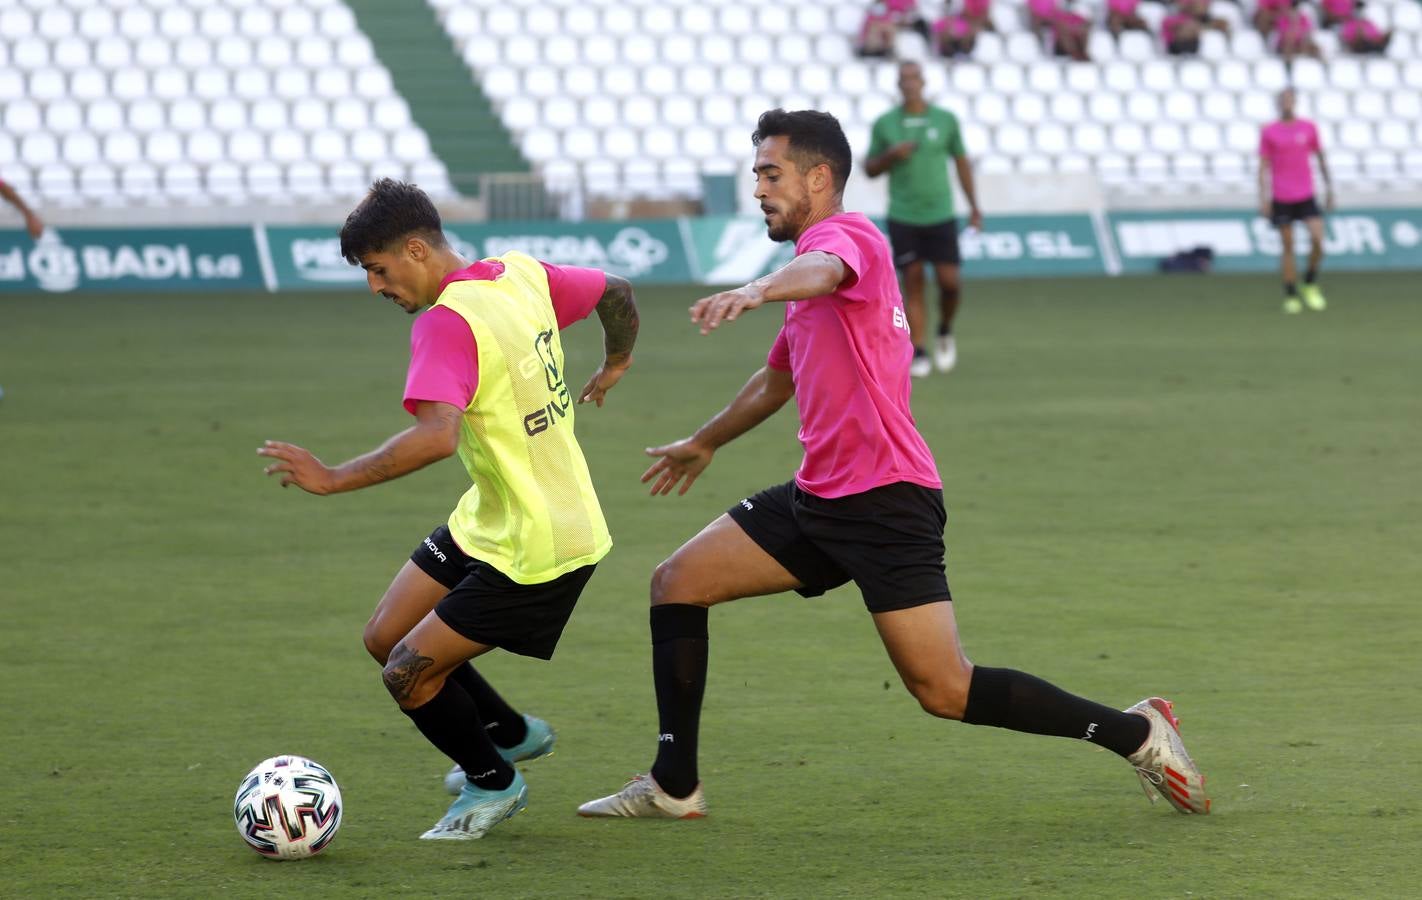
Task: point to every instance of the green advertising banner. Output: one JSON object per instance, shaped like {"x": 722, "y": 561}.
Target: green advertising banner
{"x": 1244, "y": 242}
{"x": 735, "y": 249}
{"x": 127, "y": 259}
{"x": 649, "y": 251}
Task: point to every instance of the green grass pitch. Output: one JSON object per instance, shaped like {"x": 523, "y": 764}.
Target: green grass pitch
{"x": 1154, "y": 486}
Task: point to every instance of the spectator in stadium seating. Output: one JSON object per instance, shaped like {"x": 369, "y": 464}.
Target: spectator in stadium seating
{"x": 1267, "y": 13}
{"x": 1121, "y": 15}
{"x": 1358, "y": 35}
{"x": 953, "y": 36}
{"x": 913, "y": 143}
{"x": 1336, "y": 12}
{"x": 1200, "y": 10}
{"x": 876, "y": 35}
{"x": 1286, "y": 196}
{"x": 33, "y": 224}
{"x": 1181, "y": 34}
{"x": 1060, "y": 28}
{"x": 955, "y": 33}
{"x": 882, "y": 21}
{"x": 1293, "y": 35}
{"x": 978, "y": 14}
{"x": 907, "y": 15}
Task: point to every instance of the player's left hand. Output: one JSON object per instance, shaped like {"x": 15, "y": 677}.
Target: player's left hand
{"x": 1328, "y": 203}
{"x": 297, "y": 466}
{"x": 603, "y": 380}
{"x": 708, "y": 312}
{"x": 34, "y": 225}
{"x": 975, "y": 220}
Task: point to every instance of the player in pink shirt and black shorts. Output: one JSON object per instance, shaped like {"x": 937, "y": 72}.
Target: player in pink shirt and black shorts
{"x": 865, "y": 506}
{"x": 1286, "y": 196}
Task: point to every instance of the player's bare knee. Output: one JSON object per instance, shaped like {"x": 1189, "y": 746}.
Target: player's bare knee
{"x": 378, "y": 645}
{"x": 664, "y": 578}
{"x": 942, "y": 703}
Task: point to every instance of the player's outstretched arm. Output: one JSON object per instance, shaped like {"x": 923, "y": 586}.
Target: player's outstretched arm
{"x": 617, "y": 310}
{"x": 813, "y": 274}
{"x": 434, "y": 436}
{"x": 683, "y": 461}
{"x": 1327, "y": 181}
{"x": 33, "y": 224}
{"x": 970, "y": 190}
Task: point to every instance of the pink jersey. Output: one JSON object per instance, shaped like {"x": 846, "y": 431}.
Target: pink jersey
{"x": 444, "y": 358}
{"x": 1286, "y": 146}
{"x": 954, "y": 26}
{"x": 849, "y": 352}
{"x": 1355, "y": 30}
{"x": 1123, "y": 7}
{"x": 976, "y": 9}
{"x": 1274, "y": 5}
{"x": 1170, "y": 26}
{"x": 1338, "y": 9}
{"x": 1043, "y": 9}
{"x": 1292, "y": 26}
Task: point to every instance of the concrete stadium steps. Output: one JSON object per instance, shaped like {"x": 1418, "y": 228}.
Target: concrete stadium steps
{"x": 465, "y": 131}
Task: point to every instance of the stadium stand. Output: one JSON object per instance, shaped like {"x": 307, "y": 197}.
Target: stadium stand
{"x": 152, "y": 102}
{"x": 642, "y": 98}
{"x": 269, "y": 102}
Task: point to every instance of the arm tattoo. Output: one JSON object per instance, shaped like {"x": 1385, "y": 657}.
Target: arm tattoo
{"x": 618, "y": 311}
{"x": 403, "y": 670}
{"x": 381, "y": 467}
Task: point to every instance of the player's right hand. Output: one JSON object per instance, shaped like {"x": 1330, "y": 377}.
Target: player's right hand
{"x": 904, "y": 149}
{"x": 681, "y": 461}
{"x": 1264, "y": 210}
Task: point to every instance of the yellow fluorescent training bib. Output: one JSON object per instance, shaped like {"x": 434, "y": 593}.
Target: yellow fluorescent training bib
{"x": 532, "y": 512}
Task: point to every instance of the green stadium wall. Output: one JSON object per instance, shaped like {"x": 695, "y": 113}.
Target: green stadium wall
{"x": 710, "y": 250}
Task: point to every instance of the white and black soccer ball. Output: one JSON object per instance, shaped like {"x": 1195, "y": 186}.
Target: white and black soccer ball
{"x": 288, "y": 807}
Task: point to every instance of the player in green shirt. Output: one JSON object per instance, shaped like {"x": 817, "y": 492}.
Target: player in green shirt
{"x": 913, "y": 143}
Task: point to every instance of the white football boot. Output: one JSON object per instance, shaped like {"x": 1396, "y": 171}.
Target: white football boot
{"x": 922, "y": 366}
{"x": 945, "y": 353}
{"x": 643, "y": 798}
{"x": 1162, "y": 763}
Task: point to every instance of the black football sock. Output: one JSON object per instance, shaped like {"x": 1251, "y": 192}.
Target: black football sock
{"x": 1006, "y": 698}
{"x": 679, "y": 651}
{"x": 1290, "y": 289}
{"x": 505, "y": 726}
{"x": 1310, "y": 276}
{"x": 450, "y": 721}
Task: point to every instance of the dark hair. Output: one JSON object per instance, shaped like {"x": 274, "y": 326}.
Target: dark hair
{"x": 815, "y": 137}
{"x": 392, "y": 211}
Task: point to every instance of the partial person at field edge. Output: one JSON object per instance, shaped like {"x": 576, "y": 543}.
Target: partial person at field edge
{"x": 486, "y": 381}
{"x": 913, "y": 143}
{"x": 865, "y": 506}
{"x": 1286, "y": 196}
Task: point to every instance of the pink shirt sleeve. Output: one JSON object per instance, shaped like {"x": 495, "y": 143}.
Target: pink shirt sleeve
{"x": 779, "y": 357}
{"x": 836, "y": 240}
{"x": 575, "y": 291}
{"x": 1313, "y": 143}
{"x": 444, "y": 360}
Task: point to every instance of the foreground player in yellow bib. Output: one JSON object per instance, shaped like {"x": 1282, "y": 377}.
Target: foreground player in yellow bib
{"x": 486, "y": 381}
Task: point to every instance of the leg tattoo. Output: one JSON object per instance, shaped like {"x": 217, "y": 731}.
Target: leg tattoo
{"x": 403, "y": 670}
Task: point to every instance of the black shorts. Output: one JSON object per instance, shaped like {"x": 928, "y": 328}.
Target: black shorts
{"x": 924, "y": 243}
{"x": 888, "y": 541}
{"x": 485, "y": 605}
{"x": 1282, "y": 214}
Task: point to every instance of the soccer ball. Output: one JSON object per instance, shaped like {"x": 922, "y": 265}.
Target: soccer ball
{"x": 288, "y": 807}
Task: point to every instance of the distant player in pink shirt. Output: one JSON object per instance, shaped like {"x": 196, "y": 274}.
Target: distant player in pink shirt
{"x": 1286, "y": 196}
{"x": 865, "y": 506}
